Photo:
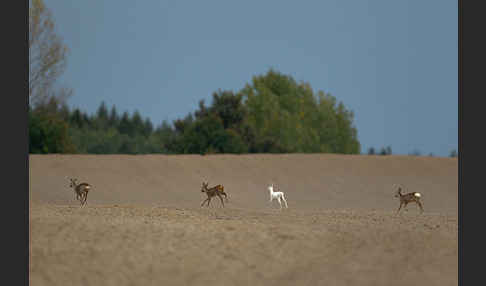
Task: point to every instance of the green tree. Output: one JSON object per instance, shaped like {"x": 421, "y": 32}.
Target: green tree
{"x": 76, "y": 118}
{"x": 229, "y": 107}
{"x": 128, "y": 145}
{"x": 48, "y": 133}
{"x": 181, "y": 125}
{"x": 165, "y": 139}
{"x": 147, "y": 128}
{"x": 218, "y": 128}
{"x": 64, "y": 112}
{"x": 125, "y": 126}
{"x": 101, "y": 120}
{"x": 204, "y": 135}
{"x": 137, "y": 123}
{"x": 102, "y": 112}
{"x": 114, "y": 119}
{"x": 290, "y": 115}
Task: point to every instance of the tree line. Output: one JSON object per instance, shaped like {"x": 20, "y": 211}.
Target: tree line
{"x": 272, "y": 114}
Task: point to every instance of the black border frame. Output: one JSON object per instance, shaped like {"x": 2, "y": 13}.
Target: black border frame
{"x": 470, "y": 110}
{"x": 15, "y": 208}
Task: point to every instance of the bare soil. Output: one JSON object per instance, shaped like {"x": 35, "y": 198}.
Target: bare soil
{"x": 143, "y": 224}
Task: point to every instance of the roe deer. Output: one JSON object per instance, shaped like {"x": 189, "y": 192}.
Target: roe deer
{"x": 212, "y": 192}
{"x": 405, "y": 199}
{"x": 278, "y": 196}
{"x": 81, "y": 190}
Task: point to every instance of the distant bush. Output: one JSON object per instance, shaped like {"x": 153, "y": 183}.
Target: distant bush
{"x": 453, "y": 153}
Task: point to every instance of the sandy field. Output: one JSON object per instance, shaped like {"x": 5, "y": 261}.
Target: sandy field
{"x": 143, "y": 224}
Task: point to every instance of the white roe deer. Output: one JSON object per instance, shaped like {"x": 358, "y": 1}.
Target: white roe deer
{"x": 277, "y": 196}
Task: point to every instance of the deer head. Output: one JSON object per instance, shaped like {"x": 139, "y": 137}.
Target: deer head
{"x": 73, "y": 182}
{"x": 270, "y": 188}
{"x": 398, "y": 193}
{"x": 204, "y": 187}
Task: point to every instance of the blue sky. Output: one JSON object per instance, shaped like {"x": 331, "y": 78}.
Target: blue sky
{"x": 393, "y": 63}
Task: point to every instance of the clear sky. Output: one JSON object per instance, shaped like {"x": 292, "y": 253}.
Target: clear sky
{"x": 394, "y": 63}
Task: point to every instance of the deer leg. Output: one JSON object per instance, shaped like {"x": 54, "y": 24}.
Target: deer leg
{"x": 399, "y": 207}
{"x": 221, "y": 198}
{"x": 204, "y": 202}
{"x": 283, "y": 198}
{"x": 420, "y": 205}
{"x": 209, "y": 200}
{"x": 405, "y": 206}
{"x": 279, "y": 202}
